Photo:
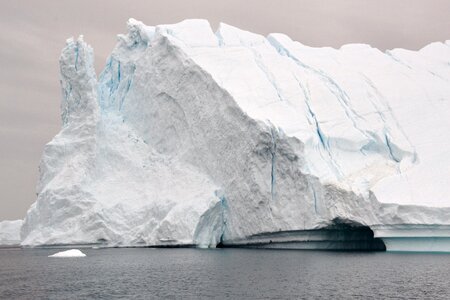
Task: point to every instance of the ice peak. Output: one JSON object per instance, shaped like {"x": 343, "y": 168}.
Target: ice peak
{"x": 139, "y": 35}
{"x": 78, "y": 80}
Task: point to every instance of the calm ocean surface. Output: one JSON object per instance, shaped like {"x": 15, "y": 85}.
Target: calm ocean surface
{"x": 223, "y": 273}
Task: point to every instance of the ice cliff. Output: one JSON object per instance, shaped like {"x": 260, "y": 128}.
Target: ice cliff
{"x": 191, "y": 137}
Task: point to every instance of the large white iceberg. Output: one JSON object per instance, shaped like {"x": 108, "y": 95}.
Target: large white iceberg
{"x": 191, "y": 137}
{"x": 10, "y": 232}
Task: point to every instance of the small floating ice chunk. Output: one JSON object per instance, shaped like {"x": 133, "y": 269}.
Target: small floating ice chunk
{"x": 69, "y": 253}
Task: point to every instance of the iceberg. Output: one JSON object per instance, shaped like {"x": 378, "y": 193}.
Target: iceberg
{"x": 10, "y": 232}
{"x": 69, "y": 253}
{"x": 191, "y": 137}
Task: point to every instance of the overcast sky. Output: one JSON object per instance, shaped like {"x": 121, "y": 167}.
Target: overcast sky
{"x": 32, "y": 34}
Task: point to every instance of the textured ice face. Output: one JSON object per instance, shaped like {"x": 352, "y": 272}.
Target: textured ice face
{"x": 100, "y": 181}
{"x": 196, "y": 137}
{"x": 10, "y": 232}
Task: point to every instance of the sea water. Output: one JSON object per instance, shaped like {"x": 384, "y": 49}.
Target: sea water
{"x": 145, "y": 273}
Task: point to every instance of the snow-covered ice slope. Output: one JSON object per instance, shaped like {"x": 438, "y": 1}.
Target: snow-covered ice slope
{"x": 192, "y": 137}
{"x": 10, "y": 232}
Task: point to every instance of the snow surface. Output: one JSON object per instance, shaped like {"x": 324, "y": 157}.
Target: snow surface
{"x": 192, "y": 137}
{"x": 10, "y": 232}
{"x": 69, "y": 253}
